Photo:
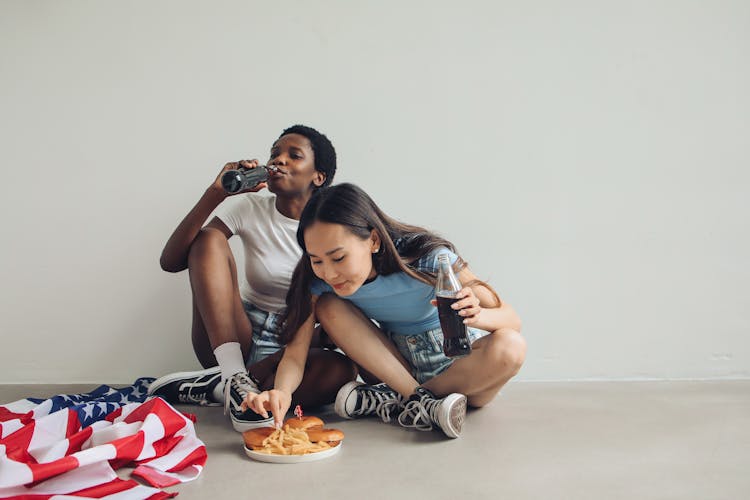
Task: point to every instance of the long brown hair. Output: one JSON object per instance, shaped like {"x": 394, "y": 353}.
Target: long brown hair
{"x": 348, "y": 205}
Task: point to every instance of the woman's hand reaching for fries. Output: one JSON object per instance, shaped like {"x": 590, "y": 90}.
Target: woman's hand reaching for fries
{"x": 276, "y": 401}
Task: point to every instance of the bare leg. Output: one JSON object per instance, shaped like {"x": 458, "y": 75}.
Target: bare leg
{"x": 494, "y": 360}
{"x": 218, "y": 314}
{"x": 368, "y": 377}
{"x": 321, "y": 339}
{"x": 364, "y": 343}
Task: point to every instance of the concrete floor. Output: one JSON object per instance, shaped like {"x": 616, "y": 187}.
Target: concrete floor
{"x": 585, "y": 440}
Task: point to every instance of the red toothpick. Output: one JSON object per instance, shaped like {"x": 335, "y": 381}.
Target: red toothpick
{"x": 298, "y": 412}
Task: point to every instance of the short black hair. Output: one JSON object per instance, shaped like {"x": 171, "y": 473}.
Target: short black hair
{"x": 325, "y": 154}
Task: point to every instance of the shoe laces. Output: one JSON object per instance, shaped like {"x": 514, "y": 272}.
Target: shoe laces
{"x": 196, "y": 394}
{"x": 380, "y": 400}
{"x": 189, "y": 397}
{"x": 420, "y": 414}
{"x": 242, "y": 384}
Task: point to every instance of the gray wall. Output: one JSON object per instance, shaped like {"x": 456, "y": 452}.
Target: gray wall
{"x": 588, "y": 158}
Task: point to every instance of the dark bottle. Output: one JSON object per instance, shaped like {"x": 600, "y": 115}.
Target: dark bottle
{"x": 243, "y": 178}
{"x": 455, "y": 336}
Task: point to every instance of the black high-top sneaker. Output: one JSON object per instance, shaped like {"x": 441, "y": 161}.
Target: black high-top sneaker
{"x": 424, "y": 410}
{"x": 188, "y": 387}
{"x": 235, "y": 390}
{"x": 356, "y": 399}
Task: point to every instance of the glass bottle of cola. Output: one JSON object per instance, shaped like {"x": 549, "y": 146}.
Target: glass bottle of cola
{"x": 455, "y": 336}
{"x": 243, "y": 178}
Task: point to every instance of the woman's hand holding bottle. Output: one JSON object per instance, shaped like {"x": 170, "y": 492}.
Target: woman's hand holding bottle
{"x": 467, "y": 305}
{"x": 236, "y": 165}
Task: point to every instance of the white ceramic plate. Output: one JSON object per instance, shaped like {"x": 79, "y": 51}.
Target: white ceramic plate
{"x": 292, "y": 459}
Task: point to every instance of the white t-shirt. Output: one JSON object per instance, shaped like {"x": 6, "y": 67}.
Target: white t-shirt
{"x": 271, "y": 250}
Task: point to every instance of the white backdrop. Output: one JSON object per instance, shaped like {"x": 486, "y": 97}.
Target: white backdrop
{"x": 588, "y": 158}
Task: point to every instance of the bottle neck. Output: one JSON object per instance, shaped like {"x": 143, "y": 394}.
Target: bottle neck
{"x": 447, "y": 283}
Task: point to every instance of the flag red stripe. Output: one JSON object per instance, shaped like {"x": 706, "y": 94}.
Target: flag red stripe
{"x": 128, "y": 448}
{"x": 112, "y": 416}
{"x": 29, "y": 497}
{"x": 115, "y": 486}
{"x": 77, "y": 440}
{"x": 197, "y": 457}
{"x": 17, "y": 444}
{"x": 171, "y": 420}
{"x": 161, "y": 495}
{"x": 41, "y": 472}
{"x": 165, "y": 445}
{"x": 74, "y": 425}
{"x": 154, "y": 477}
{"x": 6, "y": 414}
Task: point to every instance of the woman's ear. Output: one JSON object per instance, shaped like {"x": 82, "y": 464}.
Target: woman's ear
{"x": 319, "y": 178}
{"x": 374, "y": 241}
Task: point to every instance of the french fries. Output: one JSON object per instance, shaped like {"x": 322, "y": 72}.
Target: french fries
{"x": 288, "y": 441}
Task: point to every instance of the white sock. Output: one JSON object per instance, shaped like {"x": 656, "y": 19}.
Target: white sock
{"x": 229, "y": 356}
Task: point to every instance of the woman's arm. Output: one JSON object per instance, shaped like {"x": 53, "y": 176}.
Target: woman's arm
{"x": 289, "y": 375}
{"x": 292, "y": 365}
{"x": 479, "y": 306}
{"x": 174, "y": 257}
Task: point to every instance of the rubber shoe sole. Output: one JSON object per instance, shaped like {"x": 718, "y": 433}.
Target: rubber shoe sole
{"x": 451, "y": 418}
{"x": 242, "y": 425}
{"x": 342, "y": 396}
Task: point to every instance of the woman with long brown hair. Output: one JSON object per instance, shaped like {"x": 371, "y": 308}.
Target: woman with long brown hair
{"x": 360, "y": 265}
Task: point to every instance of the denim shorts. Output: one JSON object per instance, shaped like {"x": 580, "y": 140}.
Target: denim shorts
{"x": 424, "y": 351}
{"x": 266, "y": 329}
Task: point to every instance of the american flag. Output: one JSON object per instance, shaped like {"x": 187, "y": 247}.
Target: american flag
{"x": 69, "y": 446}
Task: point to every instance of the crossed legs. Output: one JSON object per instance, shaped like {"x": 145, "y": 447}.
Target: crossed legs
{"x": 494, "y": 360}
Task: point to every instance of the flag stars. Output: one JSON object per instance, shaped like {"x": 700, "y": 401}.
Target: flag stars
{"x": 88, "y": 411}
{"x": 103, "y": 407}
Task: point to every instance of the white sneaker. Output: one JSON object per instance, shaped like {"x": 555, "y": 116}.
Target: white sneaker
{"x": 424, "y": 410}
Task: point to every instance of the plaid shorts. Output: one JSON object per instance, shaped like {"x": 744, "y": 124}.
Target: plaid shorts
{"x": 424, "y": 351}
{"x": 266, "y": 329}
